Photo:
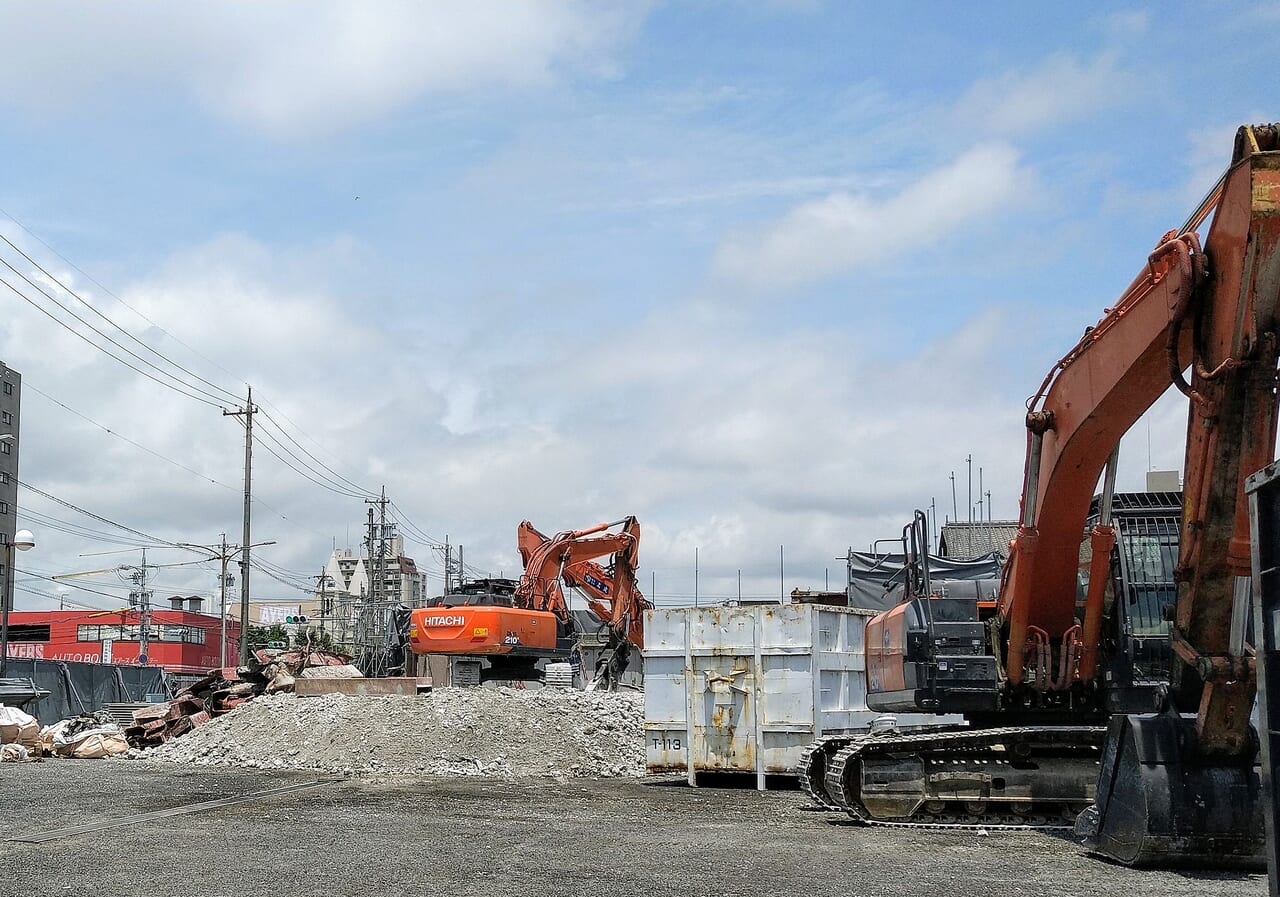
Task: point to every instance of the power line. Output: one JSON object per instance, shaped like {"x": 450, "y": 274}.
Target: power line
{"x": 45, "y": 521}
{"x": 105, "y": 520}
{"x": 86, "y": 339}
{"x": 108, "y": 292}
{"x": 27, "y": 385}
{"x": 106, "y": 318}
{"x": 105, "y": 336}
{"x": 306, "y": 470}
{"x": 413, "y": 528}
{"x": 304, "y": 474}
{"x": 302, "y": 432}
{"x": 322, "y": 466}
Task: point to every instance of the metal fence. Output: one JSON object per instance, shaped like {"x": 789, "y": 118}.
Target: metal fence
{"x": 85, "y": 687}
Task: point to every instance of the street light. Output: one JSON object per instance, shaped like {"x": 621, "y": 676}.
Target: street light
{"x": 23, "y": 541}
{"x": 223, "y": 553}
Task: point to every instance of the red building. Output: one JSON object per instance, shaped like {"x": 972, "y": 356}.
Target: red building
{"x": 181, "y": 641}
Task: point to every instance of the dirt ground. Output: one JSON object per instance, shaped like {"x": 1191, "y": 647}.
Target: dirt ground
{"x": 492, "y": 837}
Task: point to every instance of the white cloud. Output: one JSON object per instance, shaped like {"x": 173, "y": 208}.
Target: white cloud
{"x": 717, "y": 435}
{"x": 292, "y": 68}
{"x": 1061, "y": 90}
{"x": 845, "y": 231}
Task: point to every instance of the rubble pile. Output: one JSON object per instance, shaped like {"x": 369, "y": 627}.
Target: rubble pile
{"x": 222, "y": 691}
{"x": 456, "y": 732}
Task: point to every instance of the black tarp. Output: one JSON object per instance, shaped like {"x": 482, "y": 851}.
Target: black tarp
{"x": 84, "y": 687}
{"x": 875, "y": 580}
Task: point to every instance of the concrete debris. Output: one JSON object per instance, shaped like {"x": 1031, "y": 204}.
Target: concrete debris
{"x": 341, "y": 671}
{"x": 451, "y": 732}
{"x": 222, "y": 691}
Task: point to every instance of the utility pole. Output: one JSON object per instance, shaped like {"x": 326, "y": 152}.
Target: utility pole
{"x": 448, "y": 565}
{"x": 739, "y": 586}
{"x": 222, "y": 598}
{"x": 988, "y": 506}
{"x": 382, "y": 543}
{"x": 324, "y": 595}
{"x": 782, "y": 579}
{"x": 141, "y": 596}
{"x": 969, "y": 461}
{"x": 933, "y": 508}
{"x": 369, "y": 557}
{"x": 955, "y": 510}
{"x": 247, "y": 412}
{"x": 695, "y": 576}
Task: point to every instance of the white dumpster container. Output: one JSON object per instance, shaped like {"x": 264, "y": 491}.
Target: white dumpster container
{"x": 745, "y": 689}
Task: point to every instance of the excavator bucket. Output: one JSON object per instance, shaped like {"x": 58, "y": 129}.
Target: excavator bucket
{"x": 1159, "y": 804}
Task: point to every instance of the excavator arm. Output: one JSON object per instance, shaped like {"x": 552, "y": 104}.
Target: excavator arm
{"x": 612, "y": 594}
{"x": 1169, "y": 788}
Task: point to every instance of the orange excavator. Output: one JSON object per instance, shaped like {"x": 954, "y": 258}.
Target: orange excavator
{"x": 1037, "y": 668}
{"x": 509, "y": 634}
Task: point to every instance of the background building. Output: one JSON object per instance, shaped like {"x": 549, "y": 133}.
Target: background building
{"x": 181, "y": 641}
{"x": 10, "y": 400}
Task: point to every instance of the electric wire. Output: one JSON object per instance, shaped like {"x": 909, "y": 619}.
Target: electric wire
{"x": 266, "y": 445}
{"x": 86, "y": 339}
{"x": 314, "y": 470}
{"x": 320, "y": 464}
{"x": 306, "y": 469}
{"x": 193, "y": 390}
{"x": 27, "y": 385}
{"x": 108, "y": 319}
{"x": 29, "y": 232}
{"x": 100, "y": 519}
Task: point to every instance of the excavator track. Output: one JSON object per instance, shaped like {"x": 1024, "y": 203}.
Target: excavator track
{"x": 1013, "y": 778}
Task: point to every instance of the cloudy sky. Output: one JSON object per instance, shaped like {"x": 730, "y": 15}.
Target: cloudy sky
{"x": 762, "y": 274}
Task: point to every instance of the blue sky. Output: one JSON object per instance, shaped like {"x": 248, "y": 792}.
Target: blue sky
{"x": 758, "y": 273}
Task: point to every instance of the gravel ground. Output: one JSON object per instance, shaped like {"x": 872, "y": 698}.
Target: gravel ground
{"x": 491, "y": 837}
{"x": 453, "y": 732}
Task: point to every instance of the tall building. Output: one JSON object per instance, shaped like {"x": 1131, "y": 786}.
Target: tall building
{"x": 10, "y": 399}
{"x": 391, "y": 578}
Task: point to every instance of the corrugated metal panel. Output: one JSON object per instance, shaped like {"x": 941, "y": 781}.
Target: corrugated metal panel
{"x": 745, "y": 689}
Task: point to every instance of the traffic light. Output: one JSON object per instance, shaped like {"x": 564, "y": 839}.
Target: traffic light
{"x": 295, "y": 619}
{"x": 281, "y": 645}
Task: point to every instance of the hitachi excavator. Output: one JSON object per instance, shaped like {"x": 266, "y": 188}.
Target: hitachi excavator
{"x": 1163, "y": 775}
{"x": 512, "y": 633}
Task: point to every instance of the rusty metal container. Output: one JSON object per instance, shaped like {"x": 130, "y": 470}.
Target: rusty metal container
{"x": 745, "y": 689}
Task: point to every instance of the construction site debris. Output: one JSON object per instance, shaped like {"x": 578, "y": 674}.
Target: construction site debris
{"x": 341, "y": 671}
{"x": 88, "y": 737}
{"x": 222, "y": 691}
{"x": 451, "y": 732}
{"x": 13, "y": 753}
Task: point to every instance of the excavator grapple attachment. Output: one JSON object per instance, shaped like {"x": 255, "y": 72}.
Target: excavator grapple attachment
{"x": 1159, "y": 803}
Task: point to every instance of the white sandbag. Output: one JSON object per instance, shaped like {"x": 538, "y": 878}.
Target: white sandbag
{"x": 15, "y": 726}
{"x": 95, "y": 744}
